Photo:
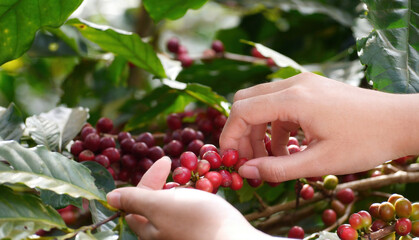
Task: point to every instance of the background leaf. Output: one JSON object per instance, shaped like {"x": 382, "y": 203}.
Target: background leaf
{"x": 39, "y": 168}
{"x": 11, "y": 125}
{"x": 58, "y": 201}
{"x": 22, "y": 214}
{"x": 44, "y": 132}
{"x": 69, "y": 120}
{"x": 125, "y": 44}
{"x": 391, "y": 51}
{"x": 20, "y": 19}
{"x": 171, "y": 9}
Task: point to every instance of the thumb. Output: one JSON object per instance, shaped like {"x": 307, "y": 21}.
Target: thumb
{"x": 287, "y": 167}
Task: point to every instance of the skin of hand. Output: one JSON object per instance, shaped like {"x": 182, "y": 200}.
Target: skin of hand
{"x": 178, "y": 213}
{"x": 349, "y": 129}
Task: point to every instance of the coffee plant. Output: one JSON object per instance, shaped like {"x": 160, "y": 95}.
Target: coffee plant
{"x": 90, "y": 100}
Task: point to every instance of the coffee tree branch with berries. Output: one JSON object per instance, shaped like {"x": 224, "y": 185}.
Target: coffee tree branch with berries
{"x": 88, "y": 108}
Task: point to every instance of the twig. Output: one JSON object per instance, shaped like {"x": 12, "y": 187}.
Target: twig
{"x": 96, "y": 225}
{"x": 260, "y": 200}
{"x": 380, "y": 233}
{"x": 359, "y": 185}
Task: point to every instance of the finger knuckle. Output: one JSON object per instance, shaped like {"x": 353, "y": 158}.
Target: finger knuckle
{"x": 239, "y": 95}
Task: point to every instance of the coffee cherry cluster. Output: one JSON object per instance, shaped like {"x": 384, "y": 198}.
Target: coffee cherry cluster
{"x": 209, "y": 171}
{"x": 126, "y": 159}
{"x": 397, "y": 211}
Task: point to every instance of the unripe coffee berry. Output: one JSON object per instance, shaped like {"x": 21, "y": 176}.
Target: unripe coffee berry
{"x": 330, "y": 182}
{"x": 386, "y": 211}
{"x": 403, "y": 207}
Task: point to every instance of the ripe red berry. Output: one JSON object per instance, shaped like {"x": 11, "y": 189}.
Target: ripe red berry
{"x": 403, "y": 207}
{"x": 296, "y": 232}
{"x": 187, "y": 135}
{"x": 217, "y": 46}
{"x": 195, "y": 146}
{"x": 256, "y": 53}
{"x": 112, "y": 154}
{"x": 205, "y": 126}
{"x": 136, "y": 178}
{"x": 403, "y": 226}
{"x": 226, "y": 178}
{"x": 213, "y": 158}
{"x": 155, "y": 153}
{"x": 127, "y": 144}
{"x": 102, "y": 160}
{"x": 146, "y": 137}
{"x": 271, "y": 63}
{"x": 106, "y": 142}
{"x": 220, "y": 121}
{"x": 77, "y": 148}
{"x": 112, "y": 172}
{"x": 345, "y": 195}
{"x": 254, "y": 182}
{"x": 128, "y": 161}
{"x": 175, "y": 163}
{"x": 349, "y": 178}
{"x": 182, "y": 50}
{"x": 377, "y": 225}
{"x": 203, "y": 167}
{"x": 329, "y": 217}
{"x": 345, "y": 232}
{"x": 123, "y": 135}
{"x": 69, "y": 217}
{"x": 86, "y": 131}
{"x": 189, "y": 160}
{"x": 170, "y": 185}
{"x": 355, "y": 220}
{"x": 237, "y": 181}
{"x": 293, "y": 141}
{"x": 204, "y": 184}
{"x": 92, "y": 142}
{"x": 173, "y": 44}
{"x": 268, "y": 147}
{"x": 206, "y": 148}
{"x": 212, "y": 113}
{"x": 230, "y": 157}
{"x": 124, "y": 175}
{"x": 139, "y": 149}
{"x": 185, "y": 60}
{"x": 199, "y": 136}
{"x": 307, "y": 192}
{"x": 293, "y": 149}
{"x": 104, "y": 125}
{"x": 86, "y": 155}
{"x": 174, "y": 121}
{"x": 144, "y": 164}
{"x": 174, "y": 148}
{"x": 239, "y": 163}
{"x": 215, "y": 178}
{"x": 181, "y": 175}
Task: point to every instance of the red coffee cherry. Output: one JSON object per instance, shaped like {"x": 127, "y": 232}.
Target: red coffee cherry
{"x": 204, "y": 184}
{"x": 112, "y": 154}
{"x": 123, "y": 135}
{"x": 92, "y": 142}
{"x": 254, "y": 182}
{"x": 86, "y": 131}
{"x": 217, "y": 46}
{"x": 147, "y": 138}
{"x": 230, "y": 157}
{"x": 355, "y": 220}
{"x": 139, "y": 149}
{"x": 155, "y": 153}
{"x": 345, "y": 195}
{"x": 213, "y": 158}
{"x": 106, "y": 142}
{"x": 329, "y": 217}
{"x": 102, "y": 160}
{"x": 403, "y": 226}
{"x": 174, "y": 121}
{"x": 77, "y": 148}
{"x": 215, "y": 178}
{"x": 374, "y": 210}
{"x": 104, "y": 125}
{"x": 307, "y": 192}
{"x": 86, "y": 155}
{"x": 378, "y": 224}
{"x": 170, "y": 185}
{"x": 296, "y": 232}
{"x": 256, "y": 53}
{"x": 226, "y": 178}
{"x": 237, "y": 181}
{"x": 195, "y": 146}
{"x": 181, "y": 175}
{"x": 189, "y": 160}
{"x": 293, "y": 141}
{"x": 173, "y": 45}
{"x": 206, "y": 148}
{"x": 366, "y": 218}
{"x": 144, "y": 164}
{"x": 203, "y": 167}
{"x": 347, "y": 233}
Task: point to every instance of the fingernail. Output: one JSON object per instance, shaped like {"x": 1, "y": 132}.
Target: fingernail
{"x": 114, "y": 199}
{"x": 249, "y": 172}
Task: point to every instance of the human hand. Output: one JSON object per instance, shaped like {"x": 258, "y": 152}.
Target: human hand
{"x": 178, "y": 213}
{"x": 349, "y": 129}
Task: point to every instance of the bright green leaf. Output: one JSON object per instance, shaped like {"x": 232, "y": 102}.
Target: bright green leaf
{"x": 391, "y": 51}
{"x": 39, "y": 168}
{"x": 44, "y": 132}
{"x": 58, "y": 201}
{"x": 22, "y": 214}
{"x": 126, "y": 44}
{"x": 206, "y": 95}
{"x": 171, "y": 9}
{"x": 21, "y": 19}
{"x": 11, "y": 125}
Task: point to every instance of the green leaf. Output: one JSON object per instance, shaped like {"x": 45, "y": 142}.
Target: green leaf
{"x": 100, "y": 213}
{"x": 391, "y": 51}
{"x": 246, "y": 192}
{"x": 39, "y": 168}
{"x": 11, "y": 125}
{"x": 44, "y": 132}
{"x": 58, "y": 201}
{"x": 69, "y": 120}
{"x": 103, "y": 179}
{"x": 22, "y": 214}
{"x": 206, "y": 95}
{"x": 21, "y": 19}
{"x": 126, "y": 44}
{"x": 171, "y": 9}
{"x": 125, "y": 232}
{"x": 108, "y": 235}
{"x": 284, "y": 73}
